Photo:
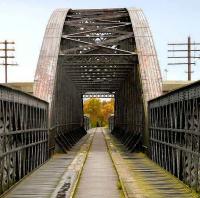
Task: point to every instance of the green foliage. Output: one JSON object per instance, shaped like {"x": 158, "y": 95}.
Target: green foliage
{"x": 98, "y": 111}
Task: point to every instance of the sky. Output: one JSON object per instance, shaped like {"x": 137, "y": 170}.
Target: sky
{"x": 24, "y": 21}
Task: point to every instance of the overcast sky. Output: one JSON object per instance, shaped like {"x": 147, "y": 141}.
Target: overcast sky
{"x": 24, "y": 22}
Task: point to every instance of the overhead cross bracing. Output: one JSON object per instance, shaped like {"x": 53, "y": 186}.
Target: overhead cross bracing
{"x": 97, "y": 50}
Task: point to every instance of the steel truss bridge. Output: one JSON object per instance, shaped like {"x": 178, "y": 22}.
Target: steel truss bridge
{"x": 99, "y": 53}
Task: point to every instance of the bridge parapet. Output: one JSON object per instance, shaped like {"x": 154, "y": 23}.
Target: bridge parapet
{"x": 23, "y": 135}
{"x": 174, "y": 127}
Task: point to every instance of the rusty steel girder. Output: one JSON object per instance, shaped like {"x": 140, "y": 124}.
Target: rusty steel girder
{"x": 23, "y": 135}
{"x": 174, "y": 126}
{"x": 97, "y": 50}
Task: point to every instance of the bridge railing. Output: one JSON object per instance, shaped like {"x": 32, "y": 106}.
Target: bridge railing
{"x": 174, "y": 126}
{"x": 23, "y": 135}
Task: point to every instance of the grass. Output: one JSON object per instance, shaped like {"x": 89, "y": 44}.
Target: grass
{"x": 119, "y": 185}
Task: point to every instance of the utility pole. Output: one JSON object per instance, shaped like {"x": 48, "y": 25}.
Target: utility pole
{"x": 5, "y": 56}
{"x": 189, "y": 59}
{"x": 166, "y": 71}
{"x": 186, "y": 47}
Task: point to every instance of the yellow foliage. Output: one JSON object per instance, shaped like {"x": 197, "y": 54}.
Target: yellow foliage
{"x": 99, "y": 111}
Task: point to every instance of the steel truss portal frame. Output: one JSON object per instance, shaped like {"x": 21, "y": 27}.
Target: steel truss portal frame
{"x": 97, "y": 50}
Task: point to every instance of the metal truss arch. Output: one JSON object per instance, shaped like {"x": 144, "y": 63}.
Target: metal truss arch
{"x": 97, "y": 50}
{"x": 47, "y": 63}
{"x": 148, "y": 62}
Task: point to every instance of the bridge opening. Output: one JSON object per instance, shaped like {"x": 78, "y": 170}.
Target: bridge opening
{"x": 108, "y": 51}
{"x": 98, "y": 107}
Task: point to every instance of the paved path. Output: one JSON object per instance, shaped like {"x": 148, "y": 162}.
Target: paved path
{"x": 98, "y": 178}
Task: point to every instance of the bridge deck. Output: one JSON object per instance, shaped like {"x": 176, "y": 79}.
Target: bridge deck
{"x": 141, "y": 177}
{"x": 44, "y": 181}
{"x": 98, "y": 178}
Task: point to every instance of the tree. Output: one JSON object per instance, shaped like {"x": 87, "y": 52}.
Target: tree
{"x": 99, "y": 111}
{"x": 92, "y": 107}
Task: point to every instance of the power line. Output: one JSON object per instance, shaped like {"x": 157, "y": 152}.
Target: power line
{"x": 187, "y": 56}
{"x": 6, "y": 48}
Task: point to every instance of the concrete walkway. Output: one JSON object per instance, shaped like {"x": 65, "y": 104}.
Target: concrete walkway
{"x": 98, "y": 178}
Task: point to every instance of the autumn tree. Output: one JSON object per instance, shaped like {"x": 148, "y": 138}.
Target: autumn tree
{"x": 98, "y": 111}
{"x": 92, "y": 107}
{"x": 106, "y": 110}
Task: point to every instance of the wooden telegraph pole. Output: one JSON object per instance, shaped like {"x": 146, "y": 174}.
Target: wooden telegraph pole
{"x": 190, "y": 48}
{"x": 5, "y": 48}
{"x": 189, "y": 60}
